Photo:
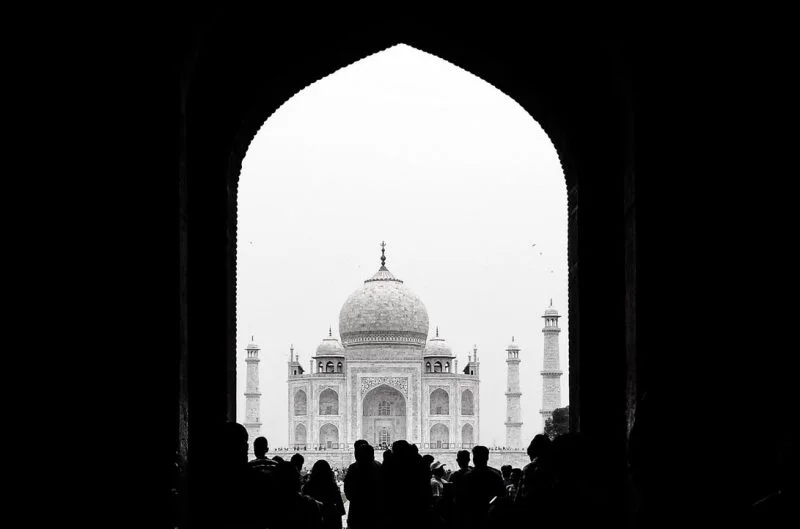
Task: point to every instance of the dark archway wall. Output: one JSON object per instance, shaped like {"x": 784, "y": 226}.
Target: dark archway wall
{"x": 236, "y": 72}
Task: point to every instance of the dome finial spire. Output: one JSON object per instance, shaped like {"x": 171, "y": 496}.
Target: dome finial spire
{"x": 551, "y": 302}
{"x": 330, "y": 332}
{"x": 437, "y": 331}
{"x": 383, "y": 253}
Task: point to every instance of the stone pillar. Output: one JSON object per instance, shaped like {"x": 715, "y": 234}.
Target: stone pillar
{"x": 252, "y": 396}
{"x": 513, "y": 394}
{"x": 551, "y": 368}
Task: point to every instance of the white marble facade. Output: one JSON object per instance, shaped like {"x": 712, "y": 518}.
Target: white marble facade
{"x": 385, "y": 380}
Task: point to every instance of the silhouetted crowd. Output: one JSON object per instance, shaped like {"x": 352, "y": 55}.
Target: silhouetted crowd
{"x": 407, "y": 489}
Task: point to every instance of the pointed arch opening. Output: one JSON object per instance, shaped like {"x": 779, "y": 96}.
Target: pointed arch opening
{"x": 467, "y": 403}
{"x": 328, "y": 402}
{"x": 597, "y": 156}
{"x": 300, "y": 403}
{"x": 440, "y": 402}
{"x": 467, "y": 436}
{"x": 384, "y": 415}
{"x": 300, "y": 439}
{"x": 440, "y": 436}
{"x": 329, "y": 436}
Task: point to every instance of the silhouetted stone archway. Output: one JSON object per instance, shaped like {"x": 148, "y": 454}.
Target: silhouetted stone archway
{"x": 235, "y": 74}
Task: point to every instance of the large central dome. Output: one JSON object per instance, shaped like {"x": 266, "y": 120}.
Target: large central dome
{"x": 384, "y": 311}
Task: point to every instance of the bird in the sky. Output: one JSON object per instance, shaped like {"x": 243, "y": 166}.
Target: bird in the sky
{"x": 540, "y": 253}
{"x": 534, "y": 244}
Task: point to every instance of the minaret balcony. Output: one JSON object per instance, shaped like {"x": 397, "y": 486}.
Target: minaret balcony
{"x": 546, "y": 372}
{"x": 513, "y": 393}
{"x": 252, "y": 394}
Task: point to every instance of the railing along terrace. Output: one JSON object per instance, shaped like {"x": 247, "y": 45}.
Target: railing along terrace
{"x": 346, "y": 446}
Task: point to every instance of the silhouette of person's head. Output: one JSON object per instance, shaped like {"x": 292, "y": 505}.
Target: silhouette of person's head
{"x": 480, "y": 456}
{"x": 401, "y": 450}
{"x": 462, "y": 458}
{"x": 364, "y": 453}
{"x": 321, "y": 472}
{"x": 387, "y": 456}
{"x": 234, "y": 443}
{"x": 414, "y": 449}
{"x": 287, "y": 478}
{"x": 516, "y": 476}
{"x": 357, "y": 445}
{"x": 505, "y": 471}
{"x": 540, "y": 446}
{"x": 260, "y": 447}
{"x": 298, "y": 460}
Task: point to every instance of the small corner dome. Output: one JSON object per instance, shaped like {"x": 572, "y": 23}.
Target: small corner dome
{"x": 438, "y": 347}
{"x": 513, "y": 347}
{"x": 252, "y": 345}
{"x": 330, "y": 346}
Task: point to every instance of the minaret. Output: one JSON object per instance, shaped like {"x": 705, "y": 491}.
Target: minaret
{"x": 252, "y": 394}
{"x": 551, "y": 372}
{"x": 295, "y": 369}
{"x": 513, "y": 406}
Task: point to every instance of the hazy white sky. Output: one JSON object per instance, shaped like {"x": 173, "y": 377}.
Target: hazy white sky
{"x": 457, "y": 179}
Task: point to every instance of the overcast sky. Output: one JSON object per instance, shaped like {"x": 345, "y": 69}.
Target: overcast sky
{"x": 457, "y": 179}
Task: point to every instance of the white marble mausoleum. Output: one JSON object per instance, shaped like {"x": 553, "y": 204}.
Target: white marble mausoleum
{"x": 384, "y": 379}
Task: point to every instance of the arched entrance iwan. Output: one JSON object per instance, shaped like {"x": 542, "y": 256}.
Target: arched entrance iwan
{"x": 384, "y": 418}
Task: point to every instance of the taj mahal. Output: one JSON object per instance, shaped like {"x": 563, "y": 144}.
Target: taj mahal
{"x": 384, "y": 379}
